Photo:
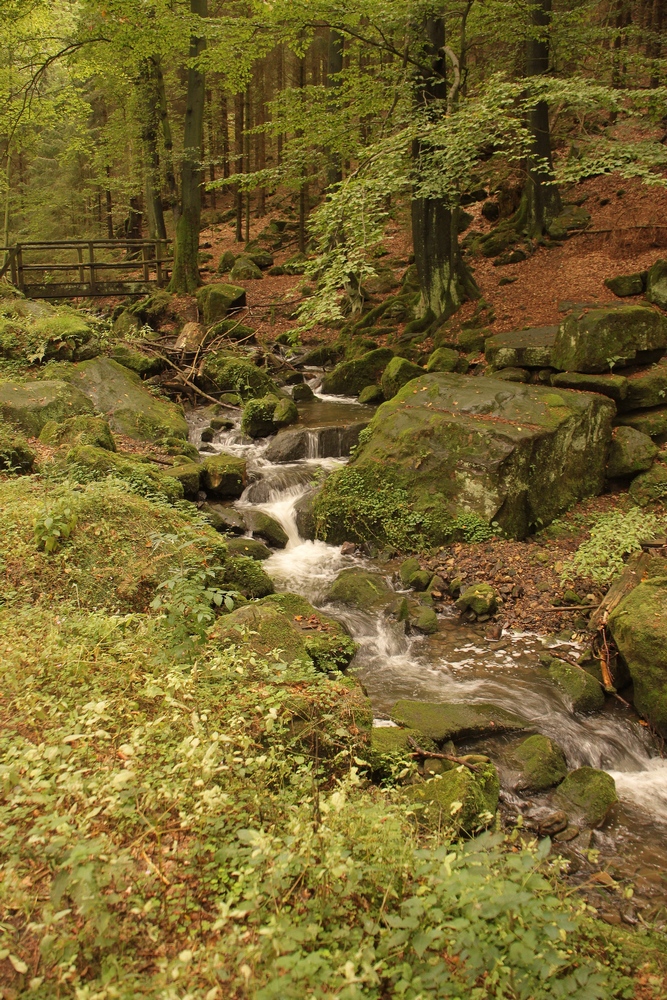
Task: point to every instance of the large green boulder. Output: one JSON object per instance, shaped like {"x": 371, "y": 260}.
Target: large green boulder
{"x": 143, "y": 365}
{"x": 589, "y": 794}
{"x": 646, "y": 389}
{"x": 244, "y": 269}
{"x": 360, "y": 588}
{"x": 630, "y": 452}
{"x": 248, "y": 547}
{"x": 541, "y": 763}
{"x": 398, "y": 373}
{"x": 38, "y": 331}
{"x": 29, "y": 406}
{"x": 516, "y": 454}
{"x": 15, "y": 454}
{"x": 215, "y": 300}
{"x": 530, "y": 348}
{"x": 245, "y": 576}
{"x": 650, "y": 487}
{"x": 125, "y": 401}
{"x": 614, "y": 386}
{"x": 188, "y": 475}
{"x": 627, "y": 284}
{"x": 289, "y": 623}
{"x": 445, "y": 359}
{"x": 442, "y": 721}
{"x": 582, "y": 690}
{"x": 593, "y": 341}
{"x": 656, "y": 284}
{"x": 391, "y": 749}
{"x": 223, "y": 372}
{"x": 224, "y": 476}
{"x": 266, "y": 527}
{"x": 350, "y": 377}
{"x": 639, "y": 628}
{"x": 83, "y": 429}
{"x": 652, "y": 421}
{"x": 462, "y": 799}
{"x": 89, "y": 464}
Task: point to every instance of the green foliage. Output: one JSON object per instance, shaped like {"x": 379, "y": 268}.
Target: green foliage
{"x": 473, "y": 528}
{"x": 613, "y": 537}
{"x": 53, "y": 528}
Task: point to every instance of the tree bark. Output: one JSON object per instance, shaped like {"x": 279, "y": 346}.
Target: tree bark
{"x": 334, "y": 69}
{"x": 238, "y": 166}
{"x": 541, "y": 199}
{"x": 185, "y": 276}
{"x": 168, "y": 143}
{"x": 150, "y": 115}
{"x": 444, "y": 278}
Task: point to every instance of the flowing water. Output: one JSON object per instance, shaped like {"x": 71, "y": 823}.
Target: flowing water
{"x": 459, "y": 664}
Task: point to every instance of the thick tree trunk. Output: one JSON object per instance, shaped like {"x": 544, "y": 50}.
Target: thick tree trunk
{"x": 185, "y": 276}
{"x": 150, "y": 117}
{"x": 445, "y": 280}
{"x": 334, "y": 69}
{"x": 541, "y": 200}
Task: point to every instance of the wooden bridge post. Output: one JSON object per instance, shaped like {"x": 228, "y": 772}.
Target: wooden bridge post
{"x": 79, "y": 251}
{"x": 20, "y": 282}
{"x": 91, "y": 258}
{"x": 12, "y": 264}
{"x": 145, "y": 259}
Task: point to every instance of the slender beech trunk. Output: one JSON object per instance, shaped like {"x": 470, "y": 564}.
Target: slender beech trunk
{"x": 541, "y": 200}
{"x": 225, "y": 135}
{"x": 238, "y": 166}
{"x": 168, "y": 144}
{"x": 149, "y": 101}
{"x": 445, "y": 280}
{"x": 334, "y": 69}
{"x": 109, "y": 205}
{"x": 246, "y": 145}
{"x": 303, "y": 190}
{"x": 260, "y": 138}
{"x": 211, "y": 144}
{"x": 185, "y": 277}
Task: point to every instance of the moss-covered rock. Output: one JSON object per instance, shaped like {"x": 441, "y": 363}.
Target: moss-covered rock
{"x": 244, "y": 269}
{"x": 303, "y": 394}
{"x": 285, "y": 413}
{"x": 249, "y": 547}
{"x": 420, "y": 580}
{"x": 445, "y": 359}
{"x": 188, "y": 475}
{"x": 652, "y": 421}
{"x": 226, "y": 262}
{"x": 231, "y": 328}
{"x": 360, "y": 588}
{"x": 581, "y": 689}
{"x": 480, "y": 598}
{"x": 143, "y": 365}
{"x": 656, "y": 284}
{"x": 224, "y": 476}
{"x": 222, "y": 372}
{"x": 15, "y": 454}
{"x": 266, "y": 527}
{"x": 391, "y": 747}
{"x": 289, "y": 623}
{"x": 630, "y": 452}
{"x": 38, "y": 331}
{"x": 627, "y": 284}
{"x": 31, "y": 405}
{"x": 245, "y": 575}
{"x": 408, "y": 569}
{"x": 639, "y": 628}
{"x": 511, "y": 374}
{"x": 265, "y": 416}
{"x": 541, "y": 762}
{"x": 350, "y": 377}
{"x": 588, "y": 793}
{"x": 614, "y": 386}
{"x": 515, "y": 454}
{"x": 650, "y": 487}
{"x": 89, "y": 464}
{"x": 646, "y": 389}
{"x": 425, "y": 621}
{"x": 592, "y": 341}
{"x": 462, "y": 798}
{"x": 398, "y": 373}
{"x": 216, "y": 300}
{"x": 442, "y": 721}
{"x": 83, "y": 429}
{"x": 127, "y": 404}
{"x": 372, "y": 395}
{"x": 521, "y": 348}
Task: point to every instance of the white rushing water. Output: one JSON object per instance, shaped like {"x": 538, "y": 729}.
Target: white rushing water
{"x": 458, "y": 664}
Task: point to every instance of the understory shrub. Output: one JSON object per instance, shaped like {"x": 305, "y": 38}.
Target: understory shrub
{"x": 613, "y": 537}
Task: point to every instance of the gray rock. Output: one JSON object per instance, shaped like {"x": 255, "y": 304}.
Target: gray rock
{"x": 656, "y": 284}
{"x": 453, "y": 721}
{"x": 521, "y": 348}
{"x": 596, "y": 340}
{"x": 631, "y": 452}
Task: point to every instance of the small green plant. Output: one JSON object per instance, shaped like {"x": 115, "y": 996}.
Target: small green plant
{"x": 613, "y": 537}
{"x": 474, "y": 528}
{"x": 53, "y": 528}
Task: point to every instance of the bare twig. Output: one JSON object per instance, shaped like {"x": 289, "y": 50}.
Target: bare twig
{"x": 194, "y": 387}
{"x": 439, "y": 756}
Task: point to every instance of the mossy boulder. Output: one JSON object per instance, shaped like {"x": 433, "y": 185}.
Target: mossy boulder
{"x": 511, "y": 374}
{"x": 262, "y": 258}
{"x": 530, "y": 348}
{"x": 262, "y": 417}
{"x": 646, "y": 389}
{"x": 232, "y": 328}
{"x": 89, "y": 464}
{"x": 420, "y": 580}
{"x": 541, "y": 762}
{"x": 614, "y": 386}
{"x": 480, "y": 598}
{"x": 592, "y": 341}
{"x": 630, "y": 452}
{"x": 445, "y": 359}
{"x": 244, "y": 269}
{"x": 627, "y": 284}
{"x": 442, "y": 721}
{"x": 360, "y": 588}
{"x": 217, "y": 299}
{"x": 391, "y": 747}
{"x": 15, "y": 454}
{"x": 29, "y": 406}
{"x": 303, "y": 394}
{"x": 266, "y": 527}
{"x": 127, "y": 404}
{"x": 462, "y": 798}
{"x": 83, "y": 429}
{"x": 656, "y": 284}
{"x": 289, "y": 623}
{"x": 582, "y": 690}
{"x": 249, "y": 547}
{"x": 225, "y": 373}
{"x": 38, "y": 331}
{"x": 188, "y": 475}
{"x": 143, "y": 365}
{"x": 350, "y": 377}
{"x": 589, "y": 794}
{"x": 408, "y": 569}
{"x": 243, "y": 574}
{"x": 639, "y": 629}
{"x": 516, "y": 454}
{"x": 224, "y": 476}
{"x": 650, "y": 487}
{"x": 652, "y": 421}
{"x": 398, "y": 373}
{"x": 425, "y": 621}
{"x": 226, "y": 262}
{"x": 372, "y": 395}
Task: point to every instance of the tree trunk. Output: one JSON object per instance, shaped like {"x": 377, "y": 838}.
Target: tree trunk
{"x": 444, "y": 278}
{"x": 225, "y": 135}
{"x": 541, "y": 200}
{"x": 149, "y": 101}
{"x": 167, "y": 142}
{"x": 185, "y": 276}
{"x": 109, "y": 206}
{"x": 211, "y": 146}
{"x": 238, "y": 166}
{"x": 334, "y": 69}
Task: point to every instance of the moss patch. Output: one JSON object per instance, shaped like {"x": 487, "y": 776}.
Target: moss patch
{"x": 460, "y": 799}
{"x": 541, "y": 761}
{"x": 589, "y": 793}
{"x": 446, "y": 721}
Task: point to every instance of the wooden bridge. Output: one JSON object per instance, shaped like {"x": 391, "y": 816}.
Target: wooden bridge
{"x": 97, "y": 267}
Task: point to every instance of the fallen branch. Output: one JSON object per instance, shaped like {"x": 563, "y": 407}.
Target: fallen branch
{"x": 194, "y": 387}
{"x": 418, "y": 752}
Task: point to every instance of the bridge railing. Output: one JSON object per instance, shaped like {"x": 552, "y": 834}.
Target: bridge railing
{"x": 41, "y": 270}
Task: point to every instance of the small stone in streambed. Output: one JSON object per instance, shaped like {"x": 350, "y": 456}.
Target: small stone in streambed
{"x": 348, "y": 548}
{"x": 225, "y": 519}
{"x": 590, "y": 793}
{"x": 303, "y": 393}
{"x": 426, "y": 621}
{"x": 360, "y": 588}
{"x": 541, "y": 761}
{"x": 207, "y": 434}
{"x": 481, "y": 599}
{"x": 248, "y": 547}
{"x": 371, "y": 395}
{"x": 220, "y": 424}
{"x": 420, "y": 580}
{"x": 566, "y": 835}
{"x": 266, "y": 527}
{"x": 408, "y": 569}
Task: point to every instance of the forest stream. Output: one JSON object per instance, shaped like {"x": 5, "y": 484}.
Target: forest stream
{"x": 460, "y": 664}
